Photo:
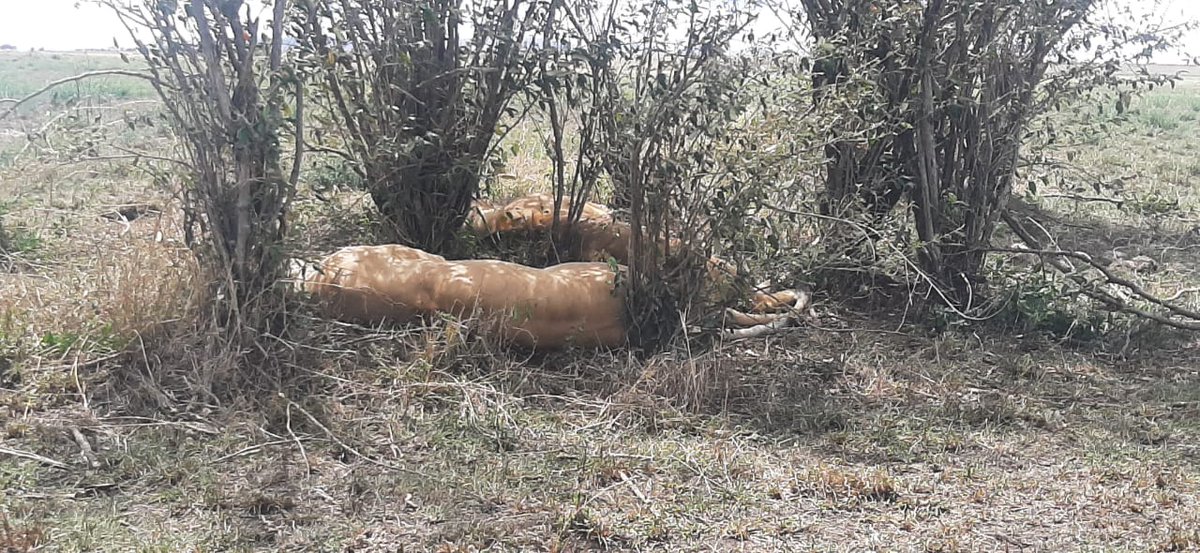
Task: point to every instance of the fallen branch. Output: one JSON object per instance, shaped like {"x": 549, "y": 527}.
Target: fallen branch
{"x": 633, "y": 486}
{"x": 1079, "y": 198}
{"x": 85, "y": 448}
{"x": 1057, "y": 259}
{"x": 1183, "y": 293}
{"x": 78, "y": 364}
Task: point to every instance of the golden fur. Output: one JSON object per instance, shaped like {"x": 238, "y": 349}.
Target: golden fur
{"x": 576, "y": 303}
{"x": 571, "y": 303}
{"x": 568, "y": 304}
{"x": 601, "y": 235}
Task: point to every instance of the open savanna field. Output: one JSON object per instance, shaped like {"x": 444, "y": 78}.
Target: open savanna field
{"x": 857, "y": 431}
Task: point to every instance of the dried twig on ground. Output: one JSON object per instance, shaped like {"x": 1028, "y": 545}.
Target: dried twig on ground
{"x": 85, "y": 448}
{"x": 33, "y": 457}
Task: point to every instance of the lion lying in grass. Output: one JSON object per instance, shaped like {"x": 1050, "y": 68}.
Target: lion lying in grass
{"x": 579, "y": 304}
{"x": 601, "y": 236}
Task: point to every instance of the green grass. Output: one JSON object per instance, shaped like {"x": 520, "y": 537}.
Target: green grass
{"x": 22, "y": 73}
{"x": 1147, "y": 162}
{"x": 1168, "y": 109}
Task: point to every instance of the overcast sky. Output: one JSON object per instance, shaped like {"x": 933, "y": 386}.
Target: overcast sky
{"x": 59, "y": 25}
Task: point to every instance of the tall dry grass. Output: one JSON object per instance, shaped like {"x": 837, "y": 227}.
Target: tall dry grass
{"x": 128, "y": 289}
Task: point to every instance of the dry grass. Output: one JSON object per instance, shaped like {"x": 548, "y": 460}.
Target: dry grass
{"x": 846, "y": 436}
{"x": 482, "y": 449}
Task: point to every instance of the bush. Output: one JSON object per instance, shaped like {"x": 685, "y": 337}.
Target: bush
{"x": 226, "y": 104}
{"x": 416, "y": 108}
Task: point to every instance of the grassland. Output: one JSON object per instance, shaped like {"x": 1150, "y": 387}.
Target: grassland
{"x": 856, "y": 433}
{"x": 21, "y": 73}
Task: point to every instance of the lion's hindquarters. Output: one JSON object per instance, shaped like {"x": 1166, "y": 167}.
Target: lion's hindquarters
{"x": 553, "y": 307}
{"x": 570, "y": 303}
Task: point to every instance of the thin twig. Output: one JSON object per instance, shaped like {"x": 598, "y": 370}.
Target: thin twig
{"x": 145, "y": 155}
{"x": 1182, "y": 293}
{"x": 248, "y": 450}
{"x": 117, "y": 157}
{"x": 1079, "y": 198}
{"x": 79, "y": 387}
{"x": 859, "y": 329}
{"x": 298, "y": 154}
{"x": 299, "y": 442}
{"x": 85, "y": 448}
{"x": 633, "y": 486}
{"x": 329, "y": 433}
{"x": 34, "y": 457}
{"x": 83, "y": 365}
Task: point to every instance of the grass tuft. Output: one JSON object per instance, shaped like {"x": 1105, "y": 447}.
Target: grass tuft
{"x": 20, "y": 540}
{"x": 847, "y": 488}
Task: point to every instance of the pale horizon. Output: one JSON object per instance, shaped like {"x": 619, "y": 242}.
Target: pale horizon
{"x": 58, "y": 25}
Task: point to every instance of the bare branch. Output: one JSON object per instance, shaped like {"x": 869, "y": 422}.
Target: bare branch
{"x": 298, "y": 129}
{"x": 1090, "y": 288}
{"x": 1081, "y": 198}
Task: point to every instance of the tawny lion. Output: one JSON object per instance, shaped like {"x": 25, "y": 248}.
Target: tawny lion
{"x": 602, "y": 237}
{"x": 578, "y": 303}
